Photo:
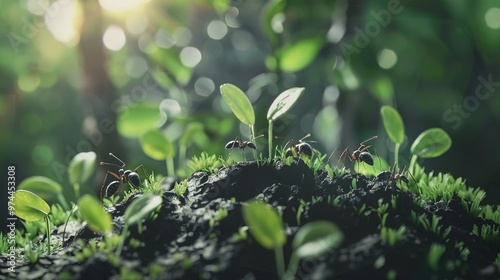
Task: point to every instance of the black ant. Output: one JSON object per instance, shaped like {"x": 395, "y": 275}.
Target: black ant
{"x": 301, "y": 148}
{"x": 237, "y": 143}
{"x": 393, "y": 176}
{"x": 123, "y": 176}
{"x": 360, "y": 154}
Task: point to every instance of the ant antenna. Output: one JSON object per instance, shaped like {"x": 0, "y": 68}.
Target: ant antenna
{"x": 307, "y": 135}
{"x": 113, "y": 164}
{"x": 374, "y": 137}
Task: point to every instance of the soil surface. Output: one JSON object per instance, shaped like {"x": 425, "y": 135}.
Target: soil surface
{"x": 190, "y": 239}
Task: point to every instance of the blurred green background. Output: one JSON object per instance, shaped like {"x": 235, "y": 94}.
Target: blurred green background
{"x": 97, "y": 75}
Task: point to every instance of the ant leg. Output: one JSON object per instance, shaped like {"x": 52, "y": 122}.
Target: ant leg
{"x": 143, "y": 170}
{"x": 104, "y": 181}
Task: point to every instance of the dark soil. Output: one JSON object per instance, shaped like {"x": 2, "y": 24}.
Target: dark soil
{"x": 187, "y": 245}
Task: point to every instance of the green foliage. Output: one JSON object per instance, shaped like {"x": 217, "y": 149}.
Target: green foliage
{"x": 434, "y": 255}
{"x": 265, "y": 224}
{"x": 489, "y": 233}
{"x": 44, "y": 187}
{"x": 239, "y": 103}
{"x": 81, "y": 167}
{"x": 431, "y": 143}
{"x": 297, "y": 56}
{"x": 392, "y": 236}
{"x": 29, "y": 206}
{"x": 204, "y": 162}
{"x": 135, "y": 119}
{"x": 180, "y": 188}
{"x": 92, "y": 212}
{"x": 316, "y": 238}
{"x": 57, "y": 214}
{"x": 393, "y": 124}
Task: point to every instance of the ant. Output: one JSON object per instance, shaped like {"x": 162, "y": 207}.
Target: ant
{"x": 360, "y": 154}
{"x": 123, "y": 176}
{"x": 237, "y": 143}
{"x": 301, "y": 148}
{"x": 393, "y": 176}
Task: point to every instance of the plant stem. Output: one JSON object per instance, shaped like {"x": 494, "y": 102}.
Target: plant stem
{"x": 270, "y": 139}
{"x": 182, "y": 156}
{"x": 413, "y": 161}
{"x": 252, "y": 138}
{"x": 280, "y": 261}
{"x": 62, "y": 200}
{"x": 122, "y": 241}
{"x": 76, "y": 187}
{"x": 170, "y": 167}
{"x": 396, "y": 155}
{"x": 67, "y": 220}
{"x": 292, "y": 267}
{"x": 48, "y": 233}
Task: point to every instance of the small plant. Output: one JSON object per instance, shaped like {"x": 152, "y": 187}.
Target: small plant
{"x": 180, "y": 188}
{"x": 80, "y": 170}
{"x": 282, "y": 104}
{"x": 44, "y": 187}
{"x": 312, "y": 240}
{"x": 394, "y": 127}
{"x": 204, "y": 162}
{"x": 241, "y": 107}
{"x": 31, "y": 207}
{"x": 434, "y": 255}
{"x": 157, "y": 146}
{"x": 392, "y": 236}
{"x": 92, "y": 212}
{"x": 137, "y": 210}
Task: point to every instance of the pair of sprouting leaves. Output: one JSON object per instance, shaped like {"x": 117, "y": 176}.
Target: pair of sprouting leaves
{"x": 431, "y": 143}
{"x": 242, "y": 107}
{"x": 312, "y": 240}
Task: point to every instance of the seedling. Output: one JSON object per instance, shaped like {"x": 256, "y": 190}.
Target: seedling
{"x": 80, "y": 170}
{"x": 123, "y": 176}
{"x": 91, "y": 211}
{"x": 44, "y": 187}
{"x": 157, "y": 146}
{"x": 393, "y": 124}
{"x": 135, "y": 212}
{"x": 31, "y": 207}
{"x": 311, "y": 240}
{"x": 282, "y": 104}
{"x": 431, "y": 143}
{"x": 241, "y": 107}
{"x": 180, "y": 187}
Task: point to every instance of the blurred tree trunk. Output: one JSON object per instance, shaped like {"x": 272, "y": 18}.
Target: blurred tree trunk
{"x": 100, "y": 116}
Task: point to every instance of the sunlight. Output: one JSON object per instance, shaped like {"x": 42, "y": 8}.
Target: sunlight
{"x": 114, "y": 38}
{"x": 492, "y": 18}
{"x": 60, "y": 19}
{"x": 120, "y": 5}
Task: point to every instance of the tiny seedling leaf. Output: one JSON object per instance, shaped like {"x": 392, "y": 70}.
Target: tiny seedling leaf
{"x": 299, "y": 55}
{"x": 239, "y": 103}
{"x": 81, "y": 167}
{"x": 29, "y": 206}
{"x": 134, "y": 119}
{"x": 316, "y": 238}
{"x": 393, "y": 124}
{"x": 265, "y": 224}
{"x": 156, "y": 145}
{"x": 92, "y": 212}
{"x": 44, "y": 187}
{"x": 141, "y": 207}
{"x": 284, "y": 102}
{"x": 431, "y": 143}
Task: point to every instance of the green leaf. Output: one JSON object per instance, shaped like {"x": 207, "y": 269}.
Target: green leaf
{"x": 46, "y": 188}
{"x": 141, "y": 207}
{"x": 264, "y": 224}
{"x": 92, "y": 212}
{"x": 431, "y": 143}
{"x": 239, "y": 103}
{"x": 269, "y": 13}
{"x": 156, "y": 145}
{"x": 393, "y": 124}
{"x": 171, "y": 66}
{"x": 81, "y": 167}
{"x": 29, "y": 206}
{"x": 316, "y": 238}
{"x": 192, "y": 132}
{"x": 299, "y": 55}
{"x": 137, "y": 118}
{"x": 284, "y": 102}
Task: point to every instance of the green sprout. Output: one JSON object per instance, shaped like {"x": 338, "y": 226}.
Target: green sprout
{"x": 394, "y": 127}
{"x": 44, "y": 187}
{"x": 92, "y": 212}
{"x": 282, "y": 104}
{"x": 135, "y": 212}
{"x": 431, "y": 143}
{"x": 80, "y": 170}
{"x": 157, "y": 146}
{"x": 180, "y": 188}
{"x": 31, "y": 207}
{"x": 241, "y": 106}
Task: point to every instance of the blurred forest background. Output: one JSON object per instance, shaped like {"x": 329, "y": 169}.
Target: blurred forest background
{"x": 97, "y": 75}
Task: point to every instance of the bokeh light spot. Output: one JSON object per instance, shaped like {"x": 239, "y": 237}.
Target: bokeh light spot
{"x": 204, "y": 86}
{"x": 136, "y": 24}
{"x": 492, "y": 18}
{"x": 216, "y": 29}
{"x": 60, "y": 21}
{"x": 28, "y": 83}
{"x": 120, "y": 5}
{"x": 136, "y": 66}
{"x": 387, "y": 58}
{"x": 42, "y": 155}
{"x": 114, "y": 38}
{"x": 190, "y": 56}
